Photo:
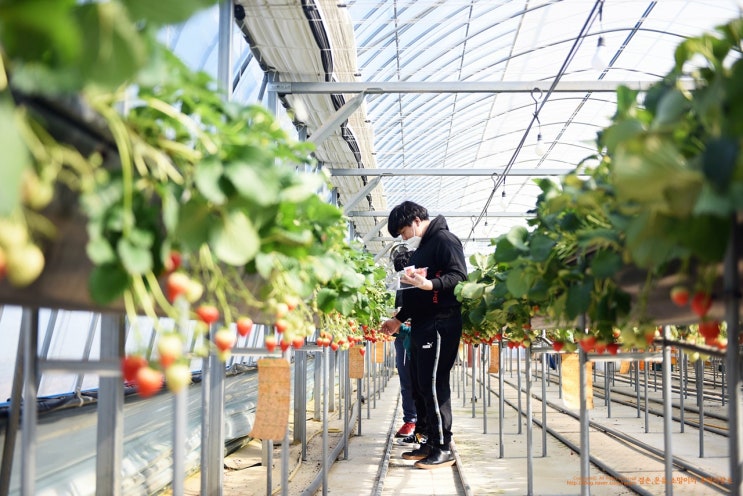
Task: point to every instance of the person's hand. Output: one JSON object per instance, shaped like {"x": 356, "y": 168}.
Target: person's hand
{"x": 390, "y": 326}
{"x": 418, "y": 280}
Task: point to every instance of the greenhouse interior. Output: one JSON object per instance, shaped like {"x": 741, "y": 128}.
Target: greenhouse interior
{"x": 201, "y": 231}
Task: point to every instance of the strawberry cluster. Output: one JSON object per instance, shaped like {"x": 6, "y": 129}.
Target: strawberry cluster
{"x": 700, "y": 304}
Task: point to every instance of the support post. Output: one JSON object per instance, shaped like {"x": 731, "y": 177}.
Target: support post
{"x": 110, "y": 429}
{"x": 30, "y": 336}
{"x": 733, "y": 357}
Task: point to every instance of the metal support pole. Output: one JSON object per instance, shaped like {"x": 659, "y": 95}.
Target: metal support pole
{"x": 722, "y": 383}
{"x": 212, "y": 425}
{"x": 667, "y": 410}
{"x": 518, "y": 382}
{"x": 559, "y": 375}
{"x": 30, "y": 336}
{"x": 544, "y": 405}
{"x": 585, "y": 468}
{"x": 300, "y": 400}
{"x": 607, "y": 391}
{"x": 14, "y": 416}
{"x": 682, "y": 388}
{"x": 346, "y": 402}
{"x": 465, "y": 358}
{"x": 637, "y": 386}
{"x": 318, "y": 380}
{"x": 529, "y": 429}
{"x": 325, "y": 413}
{"x": 488, "y": 389}
{"x": 733, "y": 360}
{"x": 285, "y": 464}
{"x": 358, "y": 403}
{"x": 110, "y": 428}
{"x": 473, "y": 401}
{"x": 501, "y": 400}
{"x": 267, "y": 455}
{"x": 699, "y": 372}
{"x": 332, "y": 355}
{"x": 484, "y": 390}
{"x": 647, "y": 403}
{"x": 457, "y": 367}
{"x": 369, "y": 372}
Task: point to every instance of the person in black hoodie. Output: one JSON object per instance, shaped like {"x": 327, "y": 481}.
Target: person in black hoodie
{"x": 436, "y": 320}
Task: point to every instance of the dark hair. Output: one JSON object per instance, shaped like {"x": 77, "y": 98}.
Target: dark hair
{"x": 403, "y": 215}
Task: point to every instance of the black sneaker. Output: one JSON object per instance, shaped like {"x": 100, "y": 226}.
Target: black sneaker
{"x": 416, "y": 438}
{"x": 418, "y": 454}
{"x": 437, "y": 459}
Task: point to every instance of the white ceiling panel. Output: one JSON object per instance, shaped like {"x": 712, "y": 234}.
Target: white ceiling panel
{"x": 425, "y": 41}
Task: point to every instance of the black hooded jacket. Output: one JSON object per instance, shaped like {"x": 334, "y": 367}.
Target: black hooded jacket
{"x": 441, "y": 252}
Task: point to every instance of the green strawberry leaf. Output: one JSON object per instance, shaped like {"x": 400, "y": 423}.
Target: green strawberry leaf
{"x": 235, "y": 241}
{"x": 108, "y": 282}
{"x": 135, "y": 258}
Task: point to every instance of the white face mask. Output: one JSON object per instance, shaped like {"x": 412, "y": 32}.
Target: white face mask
{"x": 414, "y": 241}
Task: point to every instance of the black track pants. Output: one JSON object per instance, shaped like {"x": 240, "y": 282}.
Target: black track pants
{"x": 435, "y": 346}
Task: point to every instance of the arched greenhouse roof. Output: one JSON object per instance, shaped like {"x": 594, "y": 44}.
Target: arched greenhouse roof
{"x": 455, "y": 93}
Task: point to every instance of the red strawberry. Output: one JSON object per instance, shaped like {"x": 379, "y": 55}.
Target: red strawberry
{"x": 334, "y": 346}
{"x": 176, "y": 285}
{"x": 281, "y": 325}
{"x": 709, "y": 329}
{"x": 297, "y": 343}
{"x": 149, "y": 381}
{"x": 170, "y": 347}
{"x": 650, "y": 334}
{"x": 284, "y": 344}
{"x": 224, "y": 339}
{"x": 557, "y": 345}
{"x": 362, "y": 351}
{"x": 680, "y": 295}
{"x": 701, "y": 303}
{"x": 130, "y": 365}
{"x": 208, "y": 314}
{"x": 173, "y": 262}
{"x": 270, "y": 342}
{"x": 588, "y": 343}
{"x": 612, "y": 348}
{"x": 244, "y": 326}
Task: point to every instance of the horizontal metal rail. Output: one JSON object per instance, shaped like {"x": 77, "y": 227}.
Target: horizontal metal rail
{"x": 380, "y": 87}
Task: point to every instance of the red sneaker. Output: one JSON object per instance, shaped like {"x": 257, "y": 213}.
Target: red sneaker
{"x": 407, "y": 429}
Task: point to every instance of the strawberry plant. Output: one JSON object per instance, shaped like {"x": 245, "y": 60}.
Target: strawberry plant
{"x": 660, "y": 196}
{"x": 194, "y": 207}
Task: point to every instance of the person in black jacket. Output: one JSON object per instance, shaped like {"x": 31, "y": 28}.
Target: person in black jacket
{"x": 436, "y": 320}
